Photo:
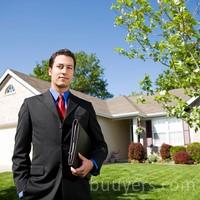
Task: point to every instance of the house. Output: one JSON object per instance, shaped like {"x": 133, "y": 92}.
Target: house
{"x": 118, "y": 117}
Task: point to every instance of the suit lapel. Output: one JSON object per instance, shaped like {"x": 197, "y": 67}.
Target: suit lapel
{"x": 72, "y": 104}
{"x": 50, "y": 104}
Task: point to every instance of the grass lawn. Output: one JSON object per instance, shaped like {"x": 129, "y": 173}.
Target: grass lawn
{"x": 147, "y": 181}
{"x": 134, "y": 182}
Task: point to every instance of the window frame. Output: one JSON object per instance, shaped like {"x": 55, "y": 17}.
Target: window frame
{"x": 10, "y": 90}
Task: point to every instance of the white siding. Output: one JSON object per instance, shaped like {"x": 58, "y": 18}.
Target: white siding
{"x": 195, "y": 137}
{"x": 10, "y": 104}
{"x": 117, "y": 135}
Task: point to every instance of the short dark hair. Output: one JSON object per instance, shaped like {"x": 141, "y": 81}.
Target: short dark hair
{"x": 65, "y": 52}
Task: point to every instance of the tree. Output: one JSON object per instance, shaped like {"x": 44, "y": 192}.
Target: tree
{"x": 88, "y": 76}
{"x": 41, "y": 71}
{"x": 168, "y": 33}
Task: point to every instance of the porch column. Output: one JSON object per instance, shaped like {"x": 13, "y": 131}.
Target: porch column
{"x": 135, "y": 136}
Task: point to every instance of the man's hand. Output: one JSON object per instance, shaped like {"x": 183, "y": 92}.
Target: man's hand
{"x": 85, "y": 167}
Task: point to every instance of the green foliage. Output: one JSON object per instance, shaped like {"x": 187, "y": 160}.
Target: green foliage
{"x": 167, "y": 32}
{"x": 7, "y": 187}
{"x": 194, "y": 150}
{"x": 153, "y": 158}
{"x": 175, "y": 149}
{"x": 88, "y": 77}
{"x": 139, "y": 130}
{"x": 41, "y": 71}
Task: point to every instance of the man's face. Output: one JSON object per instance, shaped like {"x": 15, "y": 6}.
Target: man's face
{"x": 62, "y": 73}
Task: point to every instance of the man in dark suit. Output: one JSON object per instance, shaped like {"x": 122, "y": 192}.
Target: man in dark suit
{"x": 45, "y": 123}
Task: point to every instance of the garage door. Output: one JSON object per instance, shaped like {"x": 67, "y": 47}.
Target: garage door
{"x": 6, "y": 148}
{"x": 167, "y": 130}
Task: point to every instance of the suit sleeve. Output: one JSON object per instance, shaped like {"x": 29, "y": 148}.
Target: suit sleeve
{"x": 21, "y": 159}
{"x": 99, "y": 145}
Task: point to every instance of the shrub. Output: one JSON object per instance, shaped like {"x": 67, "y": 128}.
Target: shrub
{"x": 194, "y": 150}
{"x": 136, "y": 152}
{"x": 182, "y": 157}
{"x": 152, "y": 158}
{"x": 176, "y": 149}
{"x": 165, "y": 151}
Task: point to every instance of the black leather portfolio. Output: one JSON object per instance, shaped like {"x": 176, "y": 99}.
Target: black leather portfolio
{"x": 80, "y": 143}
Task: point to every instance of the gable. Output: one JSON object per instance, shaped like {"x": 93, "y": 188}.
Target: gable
{"x": 10, "y": 103}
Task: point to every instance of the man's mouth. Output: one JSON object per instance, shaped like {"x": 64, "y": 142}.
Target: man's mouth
{"x": 63, "y": 78}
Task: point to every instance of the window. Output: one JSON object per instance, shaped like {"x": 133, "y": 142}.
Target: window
{"x": 167, "y": 130}
{"x": 175, "y": 128}
{"x": 10, "y": 90}
{"x": 160, "y": 131}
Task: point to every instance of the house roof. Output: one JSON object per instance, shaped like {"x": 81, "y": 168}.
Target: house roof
{"x": 151, "y": 107}
{"x": 38, "y": 84}
{"x": 121, "y": 106}
{"x": 117, "y": 107}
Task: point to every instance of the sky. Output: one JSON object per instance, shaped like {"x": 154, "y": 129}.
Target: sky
{"x": 30, "y": 31}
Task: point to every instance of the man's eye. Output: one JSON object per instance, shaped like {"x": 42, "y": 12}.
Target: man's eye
{"x": 60, "y": 66}
{"x": 69, "y": 67}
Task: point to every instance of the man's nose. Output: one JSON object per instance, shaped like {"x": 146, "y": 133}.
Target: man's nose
{"x": 64, "y": 70}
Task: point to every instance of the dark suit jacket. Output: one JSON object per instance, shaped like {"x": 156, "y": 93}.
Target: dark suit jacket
{"x": 39, "y": 125}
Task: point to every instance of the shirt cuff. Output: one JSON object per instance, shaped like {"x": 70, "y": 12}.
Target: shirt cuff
{"x": 21, "y": 194}
{"x": 95, "y": 164}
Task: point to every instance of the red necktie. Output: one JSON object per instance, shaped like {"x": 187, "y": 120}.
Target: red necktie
{"x": 61, "y": 107}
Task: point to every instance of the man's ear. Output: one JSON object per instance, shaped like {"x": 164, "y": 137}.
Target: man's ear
{"x": 49, "y": 71}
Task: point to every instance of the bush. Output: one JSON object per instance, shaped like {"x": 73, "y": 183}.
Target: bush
{"x": 165, "y": 151}
{"x": 176, "y": 149}
{"x": 194, "y": 150}
{"x": 136, "y": 152}
{"x": 182, "y": 157}
{"x": 152, "y": 158}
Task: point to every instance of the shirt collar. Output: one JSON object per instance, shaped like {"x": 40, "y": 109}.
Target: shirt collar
{"x": 55, "y": 94}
